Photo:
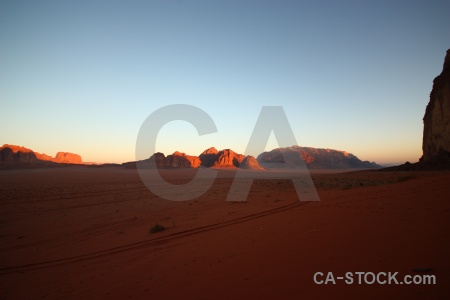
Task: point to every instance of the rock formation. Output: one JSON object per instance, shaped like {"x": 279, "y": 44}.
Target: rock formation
{"x": 160, "y": 161}
{"x": 18, "y": 154}
{"x": 43, "y": 156}
{"x": 436, "y": 122}
{"x": 13, "y": 153}
{"x": 157, "y": 160}
{"x": 228, "y": 158}
{"x": 181, "y": 160}
{"x": 67, "y": 158}
{"x": 314, "y": 158}
{"x": 209, "y": 158}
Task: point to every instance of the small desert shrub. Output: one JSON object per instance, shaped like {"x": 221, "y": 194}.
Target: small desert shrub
{"x": 157, "y": 228}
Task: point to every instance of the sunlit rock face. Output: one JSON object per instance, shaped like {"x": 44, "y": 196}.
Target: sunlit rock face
{"x": 315, "y": 158}
{"x": 67, "y": 158}
{"x": 228, "y": 158}
{"x": 20, "y": 154}
{"x": 209, "y": 158}
{"x": 436, "y": 130}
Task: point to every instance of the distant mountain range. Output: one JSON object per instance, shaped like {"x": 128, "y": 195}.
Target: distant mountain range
{"x": 210, "y": 158}
{"x": 13, "y": 156}
{"x": 313, "y": 158}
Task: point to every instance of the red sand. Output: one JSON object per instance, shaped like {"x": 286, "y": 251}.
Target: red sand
{"x": 83, "y": 233}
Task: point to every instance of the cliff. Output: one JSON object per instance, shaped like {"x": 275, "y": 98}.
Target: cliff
{"x": 436, "y": 121}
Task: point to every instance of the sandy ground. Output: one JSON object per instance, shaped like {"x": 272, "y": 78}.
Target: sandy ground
{"x": 83, "y": 233}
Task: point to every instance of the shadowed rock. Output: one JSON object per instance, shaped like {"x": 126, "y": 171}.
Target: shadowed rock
{"x": 181, "y": 160}
{"x": 436, "y": 127}
{"x": 12, "y": 153}
{"x": 209, "y": 157}
{"x": 436, "y": 121}
{"x": 160, "y": 161}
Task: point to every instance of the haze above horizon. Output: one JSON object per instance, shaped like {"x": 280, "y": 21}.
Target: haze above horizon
{"x": 82, "y": 76}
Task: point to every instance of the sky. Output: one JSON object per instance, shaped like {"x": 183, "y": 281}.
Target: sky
{"x": 82, "y": 76}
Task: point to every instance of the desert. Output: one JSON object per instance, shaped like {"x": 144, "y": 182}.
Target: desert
{"x": 83, "y": 233}
{"x": 224, "y": 150}
{"x": 98, "y": 231}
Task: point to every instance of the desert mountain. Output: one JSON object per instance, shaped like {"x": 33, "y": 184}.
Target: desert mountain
{"x": 436, "y": 122}
{"x": 211, "y": 157}
{"x": 314, "y": 158}
{"x": 227, "y": 158}
{"x": 160, "y": 161}
{"x": 221, "y": 159}
{"x": 19, "y": 154}
{"x": 67, "y": 158}
{"x": 12, "y": 153}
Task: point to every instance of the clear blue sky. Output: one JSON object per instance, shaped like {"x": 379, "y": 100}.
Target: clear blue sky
{"x": 82, "y": 76}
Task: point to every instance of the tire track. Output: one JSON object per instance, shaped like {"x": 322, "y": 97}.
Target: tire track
{"x": 146, "y": 243}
